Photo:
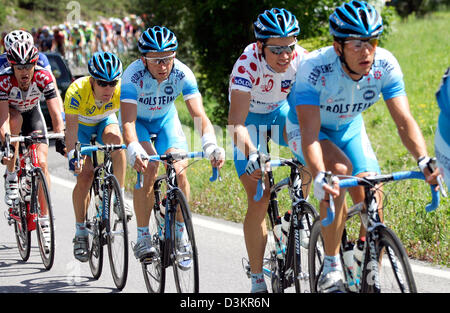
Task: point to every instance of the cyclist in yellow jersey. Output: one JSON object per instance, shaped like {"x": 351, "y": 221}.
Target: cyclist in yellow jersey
{"x": 91, "y": 104}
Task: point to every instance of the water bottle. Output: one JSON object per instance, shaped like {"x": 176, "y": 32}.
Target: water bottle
{"x": 26, "y": 185}
{"x": 281, "y": 239}
{"x": 349, "y": 264}
{"x": 357, "y": 257}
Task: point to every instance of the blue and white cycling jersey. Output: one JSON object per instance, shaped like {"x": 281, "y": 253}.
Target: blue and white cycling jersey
{"x": 322, "y": 81}
{"x": 42, "y": 62}
{"x": 442, "y": 137}
{"x": 154, "y": 100}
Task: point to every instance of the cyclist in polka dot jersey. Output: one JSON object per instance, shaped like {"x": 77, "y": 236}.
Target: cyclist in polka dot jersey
{"x": 259, "y": 91}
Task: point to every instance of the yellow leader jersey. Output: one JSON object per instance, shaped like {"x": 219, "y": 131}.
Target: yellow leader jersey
{"x": 79, "y": 100}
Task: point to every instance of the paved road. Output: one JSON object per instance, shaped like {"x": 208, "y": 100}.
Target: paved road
{"x": 220, "y": 244}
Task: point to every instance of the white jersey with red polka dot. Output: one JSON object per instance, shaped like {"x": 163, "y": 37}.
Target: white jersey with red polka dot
{"x": 268, "y": 88}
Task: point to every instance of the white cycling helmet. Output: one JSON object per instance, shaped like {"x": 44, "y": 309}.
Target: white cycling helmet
{"x": 17, "y": 35}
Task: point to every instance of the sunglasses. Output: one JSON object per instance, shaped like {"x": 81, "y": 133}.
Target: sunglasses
{"x": 22, "y": 67}
{"x": 358, "y": 44}
{"x": 103, "y": 83}
{"x": 163, "y": 60}
{"x": 280, "y": 49}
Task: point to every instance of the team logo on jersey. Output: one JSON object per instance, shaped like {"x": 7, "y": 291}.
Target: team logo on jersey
{"x": 286, "y": 86}
{"x": 168, "y": 90}
{"x": 5, "y": 83}
{"x": 74, "y": 104}
{"x": 240, "y": 81}
{"x": 369, "y": 95}
{"x": 108, "y": 106}
{"x": 377, "y": 75}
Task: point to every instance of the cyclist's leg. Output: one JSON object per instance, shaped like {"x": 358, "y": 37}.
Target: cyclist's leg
{"x": 11, "y": 179}
{"x": 255, "y": 230}
{"x": 359, "y": 150}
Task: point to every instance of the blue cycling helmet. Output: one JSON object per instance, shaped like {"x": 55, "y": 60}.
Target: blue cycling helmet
{"x": 157, "y": 39}
{"x": 105, "y": 66}
{"x": 355, "y": 19}
{"x": 276, "y": 23}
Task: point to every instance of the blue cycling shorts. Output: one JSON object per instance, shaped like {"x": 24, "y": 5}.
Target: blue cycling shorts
{"x": 167, "y": 129}
{"x": 352, "y": 139}
{"x": 85, "y": 132}
{"x": 258, "y": 125}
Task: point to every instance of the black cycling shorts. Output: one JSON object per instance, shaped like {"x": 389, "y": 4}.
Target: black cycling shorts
{"x": 34, "y": 120}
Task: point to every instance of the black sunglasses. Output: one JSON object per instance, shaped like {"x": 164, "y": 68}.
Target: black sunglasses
{"x": 103, "y": 83}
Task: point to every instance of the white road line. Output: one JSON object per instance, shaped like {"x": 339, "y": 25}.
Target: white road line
{"x": 202, "y": 222}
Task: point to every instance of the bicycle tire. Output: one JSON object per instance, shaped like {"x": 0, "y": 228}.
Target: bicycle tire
{"x": 185, "y": 264}
{"x": 39, "y": 198}
{"x": 117, "y": 232}
{"x": 301, "y": 266}
{"x": 154, "y": 271}
{"x": 22, "y": 234}
{"x": 94, "y": 227}
{"x": 389, "y": 250}
{"x": 316, "y": 254}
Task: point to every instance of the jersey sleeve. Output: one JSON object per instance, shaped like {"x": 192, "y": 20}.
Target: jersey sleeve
{"x": 393, "y": 84}
{"x": 241, "y": 77}
{"x": 443, "y": 94}
{"x": 45, "y": 82}
{"x": 128, "y": 91}
{"x": 5, "y": 86}
{"x": 306, "y": 91}
{"x": 72, "y": 99}
{"x": 190, "y": 87}
{"x": 43, "y": 62}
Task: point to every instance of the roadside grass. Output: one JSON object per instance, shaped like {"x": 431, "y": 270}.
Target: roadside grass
{"x": 422, "y": 48}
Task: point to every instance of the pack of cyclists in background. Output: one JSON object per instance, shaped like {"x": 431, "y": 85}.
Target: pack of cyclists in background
{"x": 79, "y": 41}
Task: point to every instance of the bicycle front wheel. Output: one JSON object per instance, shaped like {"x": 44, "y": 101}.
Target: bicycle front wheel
{"x": 23, "y": 235}
{"x": 305, "y": 222}
{"x": 392, "y": 265}
{"x": 40, "y": 201}
{"x": 316, "y": 255}
{"x": 154, "y": 269}
{"x": 117, "y": 233}
{"x": 94, "y": 227}
{"x": 184, "y": 249}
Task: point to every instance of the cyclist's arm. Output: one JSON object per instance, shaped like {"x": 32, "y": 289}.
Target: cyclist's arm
{"x": 409, "y": 131}
{"x": 239, "y": 108}
{"x": 197, "y": 111}
{"x": 4, "y": 119}
{"x": 71, "y": 131}
{"x": 54, "y": 108}
{"x": 128, "y": 113}
{"x": 309, "y": 121}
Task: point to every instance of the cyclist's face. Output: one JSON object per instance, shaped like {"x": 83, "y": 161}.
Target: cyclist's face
{"x": 102, "y": 93}
{"x": 359, "y": 56}
{"x": 277, "y": 53}
{"x": 160, "y": 70}
{"x": 24, "y": 74}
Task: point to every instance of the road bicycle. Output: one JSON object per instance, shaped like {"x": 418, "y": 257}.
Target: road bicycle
{"x": 385, "y": 265}
{"x": 106, "y": 219}
{"x": 180, "y": 252}
{"x": 286, "y": 267}
{"x": 34, "y": 209}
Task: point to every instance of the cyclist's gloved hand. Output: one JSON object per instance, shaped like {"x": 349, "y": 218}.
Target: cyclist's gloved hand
{"x": 253, "y": 162}
{"x": 425, "y": 162}
{"x": 60, "y": 146}
{"x": 72, "y": 157}
{"x": 134, "y": 150}
{"x": 319, "y": 182}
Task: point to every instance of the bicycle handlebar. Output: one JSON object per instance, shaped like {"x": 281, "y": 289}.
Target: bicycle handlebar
{"x": 176, "y": 156}
{"x": 34, "y": 136}
{"x": 260, "y": 186}
{"x": 372, "y": 180}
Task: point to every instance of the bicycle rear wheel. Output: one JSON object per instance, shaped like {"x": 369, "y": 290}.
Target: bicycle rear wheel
{"x": 307, "y": 217}
{"x": 316, "y": 254}
{"x": 394, "y": 270}
{"x": 184, "y": 250}
{"x": 23, "y": 235}
{"x": 40, "y": 200}
{"x": 117, "y": 233}
{"x": 94, "y": 227}
{"x": 154, "y": 270}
